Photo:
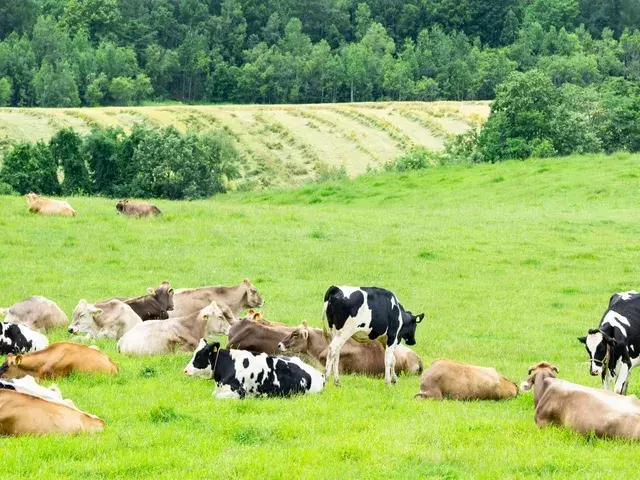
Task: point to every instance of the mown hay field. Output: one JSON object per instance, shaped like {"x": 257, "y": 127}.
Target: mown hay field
{"x": 281, "y": 144}
{"x": 509, "y": 262}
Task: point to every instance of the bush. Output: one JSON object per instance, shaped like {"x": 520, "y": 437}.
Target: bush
{"x": 5, "y": 189}
{"x": 30, "y": 167}
{"x": 543, "y": 149}
{"x": 102, "y": 148}
{"x": 66, "y": 148}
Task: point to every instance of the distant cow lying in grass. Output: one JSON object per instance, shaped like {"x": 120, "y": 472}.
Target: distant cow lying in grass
{"x": 57, "y": 360}
{"x": 448, "y": 379}
{"x": 190, "y": 300}
{"x": 159, "y": 337}
{"x": 110, "y": 319}
{"x": 240, "y": 373}
{"x": 134, "y": 208}
{"x": 580, "y": 408}
{"x": 25, "y": 414}
{"x": 46, "y": 206}
{"x": 37, "y": 313}
{"x": 156, "y": 305}
{"x": 355, "y": 357}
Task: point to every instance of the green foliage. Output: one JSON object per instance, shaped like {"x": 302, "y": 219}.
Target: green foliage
{"x": 55, "y": 86}
{"x": 30, "y": 167}
{"x": 6, "y": 91}
{"x": 66, "y": 149}
{"x": 417, "y": 158}
{"x": 102, "y": 148}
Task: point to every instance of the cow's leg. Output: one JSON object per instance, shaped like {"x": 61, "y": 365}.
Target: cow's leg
{"x": 608, "y": 381}
{"x": 333, "y": 357}
{"x": 622, "y": 377}
{"x": 225, "y": 392}
{"x": 390, "y": 364}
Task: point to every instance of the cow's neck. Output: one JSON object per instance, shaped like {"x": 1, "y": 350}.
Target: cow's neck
{"x": 316, "y": 343}
{"x": 235, "y": 295}
{"x": 539, "y": 387}
{"x": 194, "y": 322}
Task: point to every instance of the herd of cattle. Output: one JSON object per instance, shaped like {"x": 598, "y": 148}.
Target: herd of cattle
{"x": 47, "y": 206}
{"x": 362, "y": 331}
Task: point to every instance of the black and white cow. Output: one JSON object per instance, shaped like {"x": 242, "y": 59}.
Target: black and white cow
{"x": 373, "y": 311}
{"x": 16, "y": 339}
{"x": 614, "y": 347}
{"x": 241, "y": 373}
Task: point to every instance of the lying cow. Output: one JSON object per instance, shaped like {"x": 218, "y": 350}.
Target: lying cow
{"x": 355, "y": 357}
{"x": 583, "y": 409}
{"x": 156, "y": 305}
{"x": 165, "y": 336}
{"x": 241, "y": 373}
{"x": 448, "y": 379}
{"x": 57, "y": 360}
{"x": 190, "y": 300}
{"x": 373, "y": 311}
{"x": 250, "y": 335}
{"x": 135, "y": 208}
{"x": 614, "y": 347}
{"x": 37, "y": 313}
{"x": 46, "y": 206}
{"x": 258, "y": 317}
{"x": 22, "y": 414}
{"x": 110, "y": 319}
{"x": 16, "y": 338}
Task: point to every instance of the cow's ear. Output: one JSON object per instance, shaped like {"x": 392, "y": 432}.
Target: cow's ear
{"x": 582, "y": 339}
{"x": 18, "y": 359}
{"x": 216, "y": 346}
{"x": 555, "y": 369}
{"x": 305, "y": 333}
{"x": 170, "y": 291}
{"x": 246, "y": 281}
{"x": 96, "y": 312}
{"x": 419, "y": 318}
{"x": 250, "y": 311}
{"x": 258, "y": 316}
{"x": 11, "y": 359}
{"x": 305, "y": 324}
{"x": 151, "y": 291}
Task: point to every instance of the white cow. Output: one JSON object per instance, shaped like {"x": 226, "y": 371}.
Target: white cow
{"x": 110, "y": 319}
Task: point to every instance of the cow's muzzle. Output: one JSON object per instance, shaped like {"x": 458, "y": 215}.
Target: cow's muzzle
{"x": 72, "y": 331}
{"x": 281, "y": 347}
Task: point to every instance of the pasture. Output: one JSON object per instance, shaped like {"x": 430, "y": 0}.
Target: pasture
{"x": 280, "y": 144}
{"x": 509, "y": 262}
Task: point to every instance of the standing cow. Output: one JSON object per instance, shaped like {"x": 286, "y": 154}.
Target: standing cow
{"x": 374, "y": 311}
{"x": 614, "y": 347}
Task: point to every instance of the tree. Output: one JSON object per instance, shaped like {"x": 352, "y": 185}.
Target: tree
{"x": 98, "y": 17}
{"x": 102, "y": 148}
{"x": 510, "y": 28}
{"x": 122, "y": 90}
{"x": 96, "y": 90}
{"x": 30, "y": 167}
{"x": 66, "y": 149}
{"x": 231, "y": 30}
{"x": 56, "y": 86}
{"x": 6, "y": 91}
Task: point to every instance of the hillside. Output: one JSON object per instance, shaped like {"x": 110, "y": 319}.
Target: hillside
{"x": 284, "y": 141}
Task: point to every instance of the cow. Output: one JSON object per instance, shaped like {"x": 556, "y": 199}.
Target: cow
{"x": 46, "y": 206}
{"x": 110, "y": 319}
{"x": 459, "y": 381}
{"x": 37, "y": 313}
{"x": 23, "y": 414}
{"x": 29, "y": 386}
{"x": 242, "y": 373}
{"x": 376, "y": 312}
{"x": 134, "y": 208}
{"x": 355, "y": 357}
{"x": 156, "y": 305}
{"x": 583, "y": 409}
{"x": 16, "y": 338}
{"x": 165, "y": 336}
{"x": 258, "y": 317}
{"x": 59, "y": 359}
{"x": 190, "y": 300}
{"x": 254, "y": 336}
{"x": 614, "y": 347}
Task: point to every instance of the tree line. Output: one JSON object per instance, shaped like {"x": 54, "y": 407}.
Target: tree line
{"x": 70, "y": 53}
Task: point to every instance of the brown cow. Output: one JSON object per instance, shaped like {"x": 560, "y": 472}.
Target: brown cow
{"x": 258, "y": 317}
{"x": 156, "y": 305}
{"x": 249, "y": 335}
{"x": 57, "y": 360}
{"x": 46, "y": 206}
{"x": 459, "y": 381}
{"x": 190, "y": 300}
{"x": 22, "y": 414}
{"x": 37, "y": 313}
{"x": 134, "y": 208}
{"x": 583, "y": 409}
{"x": 355, "y": 357}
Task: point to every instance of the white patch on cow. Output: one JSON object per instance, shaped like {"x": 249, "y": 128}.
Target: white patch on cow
{"x": 198, "y": 372}
{"x": 593, "y": 340}
{"x": 627, "y": 295}
{"x": 616, "y": 321}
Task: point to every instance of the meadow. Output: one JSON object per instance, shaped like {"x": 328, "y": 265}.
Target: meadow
{"x": 509, "y": 262}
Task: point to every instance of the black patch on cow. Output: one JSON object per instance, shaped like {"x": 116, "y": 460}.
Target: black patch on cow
{"x": 12, "y": 340}
{"x": 3, "y": 368}
{"x": 245, "y": 363}
{"x": 7, "y": 386}
{"x": 361, "y": 325}
{"x": 251, "y": 375}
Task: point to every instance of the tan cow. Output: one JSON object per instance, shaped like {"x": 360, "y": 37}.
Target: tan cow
{"x": 257, "y": 337}
{"x": 22, "y": 414}
{"x": 459, "y": 381}
{"x": 190, "y": 300}
{"x": 111, "y": 319}
{"x": 583, "y": 409}
{"x": 157, "y": 337}
{"x": 135, "y": 208}
{"x": 58, "y": 360}
{"x": 37, "y": 313}
{"x": 46, "y": 206}
{"x": 355, "y": 357}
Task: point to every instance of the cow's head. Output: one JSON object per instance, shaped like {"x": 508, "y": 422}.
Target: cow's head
{"x": 253, "y": 298}
{"x": 544, "y": 368}
{"x": 599, "y": 345}
{"x": 11, "y": 367}
{"x": 409, "y": 324}
{"x": 164, "y": 295}
{"x": 121, "y": 204}
{"x": 201, "y": 364}
{"x": 297, "y": 341}
{"x": 84, "y": 318}
{"x": 217, "y": 323}
{"x": 31, "y": 197}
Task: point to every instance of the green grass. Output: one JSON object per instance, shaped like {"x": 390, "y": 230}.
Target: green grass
{"x": 508, "y": 272}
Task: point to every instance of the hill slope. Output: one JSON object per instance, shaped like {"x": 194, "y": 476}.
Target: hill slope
{"x": 284, "y": 140}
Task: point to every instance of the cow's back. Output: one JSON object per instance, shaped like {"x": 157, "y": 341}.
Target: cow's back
{"x": 67, "y": 357}
{"x": 461, "y": 381}
{"x": 248, "y": 335}
{"x": 38, "y": 313}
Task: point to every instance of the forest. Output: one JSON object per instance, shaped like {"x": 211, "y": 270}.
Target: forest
{"x": 68, "y": 53}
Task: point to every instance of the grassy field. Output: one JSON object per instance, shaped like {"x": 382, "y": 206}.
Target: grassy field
{"x": 281, "y": 144}
{"x": 509, "y": 262}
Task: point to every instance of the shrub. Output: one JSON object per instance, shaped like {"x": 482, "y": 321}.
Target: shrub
{"x": 30, "y": 167}
{"x": 543, "y": 148}
{"x": 102, "y": 148}
{"x": 66, "y": 148}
